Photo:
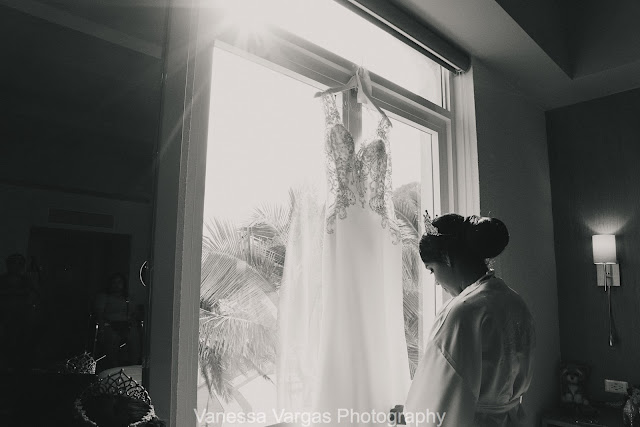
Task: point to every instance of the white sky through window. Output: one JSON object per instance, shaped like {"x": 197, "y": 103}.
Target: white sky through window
{"x": 266, "y": 135}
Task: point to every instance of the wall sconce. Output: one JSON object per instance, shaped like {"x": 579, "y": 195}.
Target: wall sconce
{"x": 607, "y": 269}
{"x": 604, "y": 257}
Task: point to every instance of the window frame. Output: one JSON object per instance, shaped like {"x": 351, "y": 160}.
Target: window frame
{"x": 171, "y": 366}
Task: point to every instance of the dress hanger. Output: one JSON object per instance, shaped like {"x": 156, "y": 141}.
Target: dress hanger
{"x": 362, "y": 82}
{"x": 351, "y": 84}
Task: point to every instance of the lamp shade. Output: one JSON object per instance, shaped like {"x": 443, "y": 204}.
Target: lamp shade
{"x": 604, "y": 249}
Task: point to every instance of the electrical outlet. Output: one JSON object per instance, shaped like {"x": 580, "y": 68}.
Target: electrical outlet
{"x": 613, "y": 386}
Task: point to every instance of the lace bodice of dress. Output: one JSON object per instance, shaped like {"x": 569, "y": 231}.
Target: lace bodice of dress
{"x": 366, "y": 172}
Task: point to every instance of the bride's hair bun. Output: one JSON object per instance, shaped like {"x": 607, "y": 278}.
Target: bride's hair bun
{"x": 484, "y": 236}
{"x": 481, "y": 237}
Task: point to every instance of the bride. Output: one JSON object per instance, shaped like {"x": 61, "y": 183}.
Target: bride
{"x": 478, "y": 362}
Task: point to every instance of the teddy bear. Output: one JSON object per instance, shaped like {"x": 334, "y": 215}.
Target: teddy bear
{"x": 573, "y": 378}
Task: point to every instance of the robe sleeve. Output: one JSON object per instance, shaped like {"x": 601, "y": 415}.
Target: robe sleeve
{"x": 446, "y": 385}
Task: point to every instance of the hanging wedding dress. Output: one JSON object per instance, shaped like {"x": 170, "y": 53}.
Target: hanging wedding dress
{"x": 343, "y": 351}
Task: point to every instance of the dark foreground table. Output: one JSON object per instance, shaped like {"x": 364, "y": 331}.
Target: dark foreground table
{"x": 40, "y": 398}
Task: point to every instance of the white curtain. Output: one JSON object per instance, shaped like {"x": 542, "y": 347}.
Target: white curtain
{"x": 467, "y": 181}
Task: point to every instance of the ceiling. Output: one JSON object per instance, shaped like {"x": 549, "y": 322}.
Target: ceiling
{"x": 557, "y": 52}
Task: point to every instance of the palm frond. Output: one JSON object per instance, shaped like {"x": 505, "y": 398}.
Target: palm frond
{"x": 233, "y": 344}
{"x": 225, "y": 275}
{"x": 406, "y": 205}
{"x": 269, "y": 225}
{"x": 271, "y": 222}
{"x": 412, "y": 317}
{"x": 407, "y": 212}
{"x": 227, "y": 240}
{"x": 214, "y": 370}
{"x": 241, "y": 272}
{"x": 222, "y": 236}
{"x": 413, "y": 350}
{"x": 406, "y": 201}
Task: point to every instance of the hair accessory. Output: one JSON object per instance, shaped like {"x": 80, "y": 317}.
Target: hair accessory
{"x": 117, "y": 384}
{"x": 81, "y": 364}
{"x": 429, "y": 228}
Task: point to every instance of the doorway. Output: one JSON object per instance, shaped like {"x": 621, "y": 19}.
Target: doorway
{"x": 72, "y": 267}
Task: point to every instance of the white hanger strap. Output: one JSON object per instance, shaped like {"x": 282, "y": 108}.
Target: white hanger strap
{"x": 361, "y": 81}
{"x": 364, "y": 96}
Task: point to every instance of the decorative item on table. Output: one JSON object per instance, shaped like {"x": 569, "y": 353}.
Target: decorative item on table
{"x": 81, "y": 364}
{"x": 631, "y": 408}
{"x": 573, "y": 395}
{"x": 396, "y": 417}
{"x": 573, "y": 378}
{"x": 116, "y": 400}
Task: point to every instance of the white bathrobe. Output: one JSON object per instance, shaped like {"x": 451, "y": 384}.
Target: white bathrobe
{"x": 478, "y": 361}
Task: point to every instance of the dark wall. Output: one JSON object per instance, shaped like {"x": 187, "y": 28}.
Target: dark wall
{"x": 594, "y": 153}
{"x": 514, "y": 186}
{"x": 78, "y": 113}
{"x": 80, "y": 86}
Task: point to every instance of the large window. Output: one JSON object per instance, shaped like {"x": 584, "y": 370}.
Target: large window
{"x": 265, "y": 138}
